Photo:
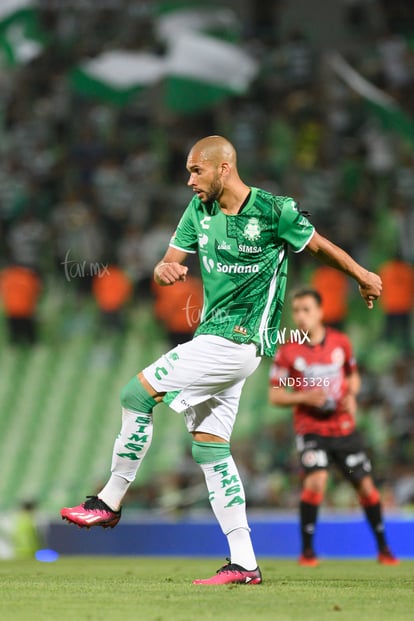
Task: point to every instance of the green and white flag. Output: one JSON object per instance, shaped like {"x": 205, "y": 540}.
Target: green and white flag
{"x": 385, "y": 108}
{"x": 196, "y": 71}
{"x": 21, "y": 38}
{"x": 203, "y": 70}
{"x": 118, "y": 76}
{"x": 215, "y": 20}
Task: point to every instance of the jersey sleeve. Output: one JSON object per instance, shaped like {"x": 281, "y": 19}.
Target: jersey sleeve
{"x": 185, "y": 236}
{"x": 293, "y": 226}
{"x": 279, "y": 368}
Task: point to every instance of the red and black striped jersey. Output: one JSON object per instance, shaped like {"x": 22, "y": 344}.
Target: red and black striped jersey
{"x": 302, "y": 366}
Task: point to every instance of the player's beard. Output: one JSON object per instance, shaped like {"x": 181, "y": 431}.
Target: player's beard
{"x": 215, "y": 190}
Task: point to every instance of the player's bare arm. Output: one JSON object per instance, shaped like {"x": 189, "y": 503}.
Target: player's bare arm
{"x": 170, "y": 268}
{"x": 349, "y": 401}
{"x": 370, "y": 284}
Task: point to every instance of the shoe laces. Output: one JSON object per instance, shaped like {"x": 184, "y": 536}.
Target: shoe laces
{"x": 230, "y": 568}
{"x": 96, "y": 503}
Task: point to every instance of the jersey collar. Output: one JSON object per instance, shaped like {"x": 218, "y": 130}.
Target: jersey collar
{"x": 214, "y": 208}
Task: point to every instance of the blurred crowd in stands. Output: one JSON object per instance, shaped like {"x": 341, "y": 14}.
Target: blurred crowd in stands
{"x": 91, "y": 192}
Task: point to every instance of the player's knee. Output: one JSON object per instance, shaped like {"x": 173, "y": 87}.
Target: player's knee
{"x": 316, "y": 481}
{"x": 135, "y": 397}
{"x": 209, "y": 452}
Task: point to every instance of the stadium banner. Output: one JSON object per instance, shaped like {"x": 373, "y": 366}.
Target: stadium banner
{"x": 340, "y": 536}
{"x": 21, "y": 37}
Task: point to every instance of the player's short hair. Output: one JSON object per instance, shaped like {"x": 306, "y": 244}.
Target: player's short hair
{"x": 302, "y": 292}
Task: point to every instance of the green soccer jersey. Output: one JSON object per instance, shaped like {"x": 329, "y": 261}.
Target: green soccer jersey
{"x": 243, "y": 261}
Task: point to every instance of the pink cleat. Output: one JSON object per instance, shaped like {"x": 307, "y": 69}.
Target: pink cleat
{"x": 93, "y": 512}
{"x": 233, "y": 574}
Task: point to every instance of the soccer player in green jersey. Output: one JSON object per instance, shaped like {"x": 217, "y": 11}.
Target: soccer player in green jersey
{"x": 242, "y": 235}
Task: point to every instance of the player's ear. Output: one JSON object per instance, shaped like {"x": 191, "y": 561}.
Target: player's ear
{"x": 224, "y": 168}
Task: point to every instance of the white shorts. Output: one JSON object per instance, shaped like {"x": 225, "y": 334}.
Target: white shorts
{"x": 203, "y": 378}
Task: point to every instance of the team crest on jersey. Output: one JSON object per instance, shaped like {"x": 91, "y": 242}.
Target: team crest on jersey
{"x": 252, "y": 230}
{"x": 299, "y": 364}
{"x": 338, "y": 356}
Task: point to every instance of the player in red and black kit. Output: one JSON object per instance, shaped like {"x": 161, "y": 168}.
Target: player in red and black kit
{"x": 318, "y": 376}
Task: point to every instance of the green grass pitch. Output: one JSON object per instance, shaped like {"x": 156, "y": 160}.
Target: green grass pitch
{"x": 159, "y": 589}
